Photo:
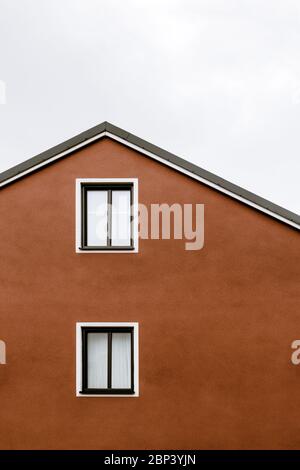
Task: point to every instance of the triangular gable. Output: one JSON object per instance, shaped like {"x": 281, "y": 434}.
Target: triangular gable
{"x": 152, "y": 151}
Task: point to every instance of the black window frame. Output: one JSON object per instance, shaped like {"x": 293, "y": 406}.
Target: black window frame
{"x": 109, "y": 390}
{"x": 109, "y": 187}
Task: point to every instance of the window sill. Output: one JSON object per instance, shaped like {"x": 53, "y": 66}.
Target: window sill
{"x": 114, "y": 249}
{"x": 106, "y": 248}
{"x": 121, "y": 391}
{"x": 106, "y": 395}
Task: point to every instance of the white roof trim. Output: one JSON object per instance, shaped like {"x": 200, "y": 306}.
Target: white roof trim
{"x": 157, "y": 158}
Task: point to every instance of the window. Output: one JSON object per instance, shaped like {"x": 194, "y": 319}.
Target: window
{"x": 107, "y": 359}
{"x": 106, "y": 215}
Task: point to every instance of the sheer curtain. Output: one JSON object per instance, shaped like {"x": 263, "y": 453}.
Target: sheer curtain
{"x": 97, "y": 360}
{"x": 97, "y": 218}
{"x": 2, "y": 352}
{"x": 121, "y": 360}
{"x": 121, "y": 218}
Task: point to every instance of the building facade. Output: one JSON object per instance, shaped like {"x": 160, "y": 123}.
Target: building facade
{"x": 118, "y": 342}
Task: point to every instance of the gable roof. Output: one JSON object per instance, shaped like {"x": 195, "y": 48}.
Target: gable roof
{"x": 105, "y": 129}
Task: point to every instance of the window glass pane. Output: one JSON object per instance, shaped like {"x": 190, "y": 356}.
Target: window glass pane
{"x": 97, "y": 360}
{"x": 97, "y": 218}
{"x": 120, "y": 218}
{"x": 121, "y": 360}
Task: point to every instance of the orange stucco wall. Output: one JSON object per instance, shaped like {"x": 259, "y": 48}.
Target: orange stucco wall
{"x": 216, "y": 325}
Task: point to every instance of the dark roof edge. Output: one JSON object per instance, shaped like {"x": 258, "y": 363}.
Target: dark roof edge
{"x": 43, "y": 157}
{"x": 52, "y": 152}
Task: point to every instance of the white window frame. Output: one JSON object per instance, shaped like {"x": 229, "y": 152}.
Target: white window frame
{"x": 79, "y": 181}
{"x": 79, "y": 325}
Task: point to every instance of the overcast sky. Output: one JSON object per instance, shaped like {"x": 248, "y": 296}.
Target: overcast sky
{"x": 215, "y": 82}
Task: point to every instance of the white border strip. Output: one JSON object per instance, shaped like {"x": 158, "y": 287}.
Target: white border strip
{"x": 135, "y": 221}
{"x": 203, "y": 180}
{"x": 161, "y": 160}
{"x": 135, "y": 326}
{"x": 53, "y": 159}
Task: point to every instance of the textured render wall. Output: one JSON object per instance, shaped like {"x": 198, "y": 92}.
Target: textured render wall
{"x": 215, "y": 325}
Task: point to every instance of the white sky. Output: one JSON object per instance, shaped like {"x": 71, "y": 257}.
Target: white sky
{"x": 215, "y": 82}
